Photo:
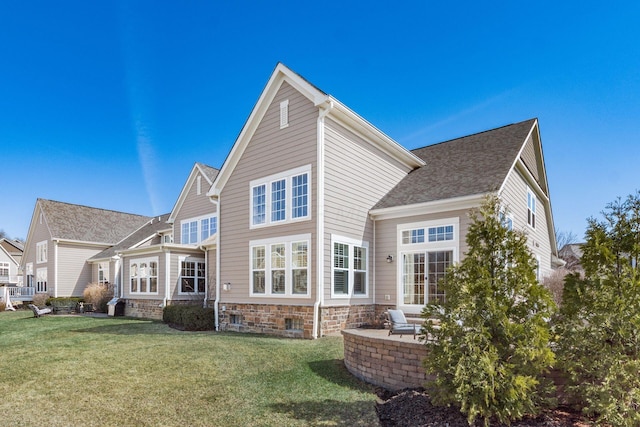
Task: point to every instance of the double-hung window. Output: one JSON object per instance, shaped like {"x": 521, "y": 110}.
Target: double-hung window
{"x": 531, "y": 208}
{"x": 192, "y": 276}
{"x": 349, "y": 267}
{"x": 41, "y": 252}
{"x": 4, "y": 269}
{"x": 103, "y": 272}
{"x": 280, "y": 266}
{"x": 41, "y": 280}
{"x": 196, "y": 230}
{"x": 281, "y": 198}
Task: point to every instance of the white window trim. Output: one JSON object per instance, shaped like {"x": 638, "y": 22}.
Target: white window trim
{"x": 42, "y": 249}
{"x": 287, "y": 241}
{"x": 267, "y": 181}
{"x": 198, "y": 221}
{"x": 196, "y": 260}
{"x": 351, "y": 243}
{"x": 147, "y": 261}
{"x": 411, "y": 248}
{"x": 531, "y": 195}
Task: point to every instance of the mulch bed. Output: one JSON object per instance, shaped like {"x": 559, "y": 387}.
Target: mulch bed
{"x": 413, "y": 408}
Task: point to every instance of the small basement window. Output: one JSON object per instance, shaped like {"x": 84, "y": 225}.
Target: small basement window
{"x": 235, "y": 319}
{"x": 293, "y": 324}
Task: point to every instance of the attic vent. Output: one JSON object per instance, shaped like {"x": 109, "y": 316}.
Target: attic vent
{"x": 199, "y": 185}
{"x": 284, "y": 114}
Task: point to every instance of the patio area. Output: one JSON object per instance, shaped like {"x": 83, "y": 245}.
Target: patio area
{"x": 393, "y": 362}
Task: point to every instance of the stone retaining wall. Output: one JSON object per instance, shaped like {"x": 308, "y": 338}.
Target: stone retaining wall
{"x": 390, "y": 362}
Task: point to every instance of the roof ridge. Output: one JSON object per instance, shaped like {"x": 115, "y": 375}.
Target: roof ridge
{"x": 95, "y": 208}
{"x": 474, "y": 134}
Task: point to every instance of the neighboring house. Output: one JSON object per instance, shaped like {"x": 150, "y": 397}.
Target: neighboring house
{"x": 10, "y": 256}
{"x": 324, "y": 221}
{"x": 163, "y": 262}
{"x": 62, "y": 237}
{"x": 572, "y": 254}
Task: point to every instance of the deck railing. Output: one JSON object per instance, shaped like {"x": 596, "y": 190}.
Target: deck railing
{"x": 20, "y": 293}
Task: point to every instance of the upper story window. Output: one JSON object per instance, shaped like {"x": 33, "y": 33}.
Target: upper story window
{"x": 4, "y": 269}
{"x": 531, "y": 208}
{"x": 196, "y": 230}
{"x": 143, "y": 276}
{"x": 41, "y": 252}
{"x": 349, "y": 267}
{"x": 281, "y": 198}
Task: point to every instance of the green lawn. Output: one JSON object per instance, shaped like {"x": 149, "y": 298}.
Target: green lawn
{"x": 71, "y": 371}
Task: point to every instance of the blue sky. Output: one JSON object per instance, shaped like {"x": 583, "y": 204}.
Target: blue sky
{"x": 109, "y": 104}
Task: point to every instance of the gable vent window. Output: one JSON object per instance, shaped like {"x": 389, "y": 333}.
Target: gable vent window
{"x": 284, "y": 114}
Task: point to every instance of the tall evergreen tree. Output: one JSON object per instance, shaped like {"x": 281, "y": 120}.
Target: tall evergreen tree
{"x": 599, "y": 324}
{"x": 489, "y": 341}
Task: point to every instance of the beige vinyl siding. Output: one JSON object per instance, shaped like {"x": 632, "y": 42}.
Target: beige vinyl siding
{"x": 194, "y": 205}
{"x": 211, "y": 273}
{"x": 357, "y": 176}
{"x": 514, "y": 196}
{"x": 271, "y": 150}
{"x": 386, "y": 274}
{"x": 74, "y": 272}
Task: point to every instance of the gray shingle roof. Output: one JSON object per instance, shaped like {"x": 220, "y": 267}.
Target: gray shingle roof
{"x": 86, "y": 224}
{"x": 466, "y": 166}
{"x": 210, "y": 171}
{"x": 147, "y": 230}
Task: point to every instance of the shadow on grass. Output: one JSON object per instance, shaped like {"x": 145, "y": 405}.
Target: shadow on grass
{"x": 330, "y": 412}
{"x": 334, "y": 371}
{"x": 131, "y": 327}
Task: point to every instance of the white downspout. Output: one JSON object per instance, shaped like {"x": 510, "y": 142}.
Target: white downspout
{"x": 320, "y": 221}
{"x": 55, "y": 268}
{"x": 167, "y": 277}
{"x": 116, "y": 258}
{"x": 217, "y": 300}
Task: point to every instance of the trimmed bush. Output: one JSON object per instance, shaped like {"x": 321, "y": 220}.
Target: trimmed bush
{"x": 40, "y": 300}
{"x": 99, "y": 295}
{"x": 189, "y": 317}
{"x": 2, "y": 306}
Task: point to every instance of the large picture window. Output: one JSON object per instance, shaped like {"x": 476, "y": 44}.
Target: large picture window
{"x": 143, "y": 276}
{"x": 280, "y": 266}
{"x": 349, "y": 267}
{"x": 281, "y": 198}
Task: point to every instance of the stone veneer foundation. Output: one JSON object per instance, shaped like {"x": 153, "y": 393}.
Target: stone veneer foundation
{"x": 277, "y": 319}
{"x": 151, "y": 308}
{"x": 392, "y": 362}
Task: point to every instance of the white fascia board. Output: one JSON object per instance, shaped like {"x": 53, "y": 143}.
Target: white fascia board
{"x": 279, "y": 75}
{"x": 436, "y": 206}
{"x": 82, "y": 243}
{"x": 359, "y": 125}
{"x": 154, "y": 249}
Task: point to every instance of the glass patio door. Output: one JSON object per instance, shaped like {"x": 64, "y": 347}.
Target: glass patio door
{"x": 422, "y": 273}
